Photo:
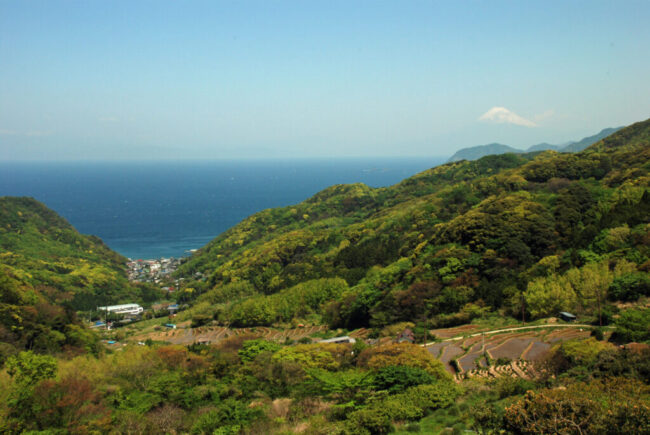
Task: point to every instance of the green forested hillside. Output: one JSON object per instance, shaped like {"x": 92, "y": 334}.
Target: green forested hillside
{"x": 47, "y": 272}
{"x": 444, "y": 244}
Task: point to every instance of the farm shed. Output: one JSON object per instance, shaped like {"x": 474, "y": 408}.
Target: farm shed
{"x": 567, "y": 317}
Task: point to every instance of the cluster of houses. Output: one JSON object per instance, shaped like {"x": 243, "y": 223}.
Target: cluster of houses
{"x": 158, "y": 272}
{"x": 152, "y": 270}
{"x": 169, "y": 307}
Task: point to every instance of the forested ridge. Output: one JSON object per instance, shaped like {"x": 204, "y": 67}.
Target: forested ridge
{"x": 442, "y": 245}
{"x": 48, "y": 272}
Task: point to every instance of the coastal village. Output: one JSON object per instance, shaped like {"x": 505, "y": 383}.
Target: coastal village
{"x": 153, "y": 271}
{"x": 158, "y": 272}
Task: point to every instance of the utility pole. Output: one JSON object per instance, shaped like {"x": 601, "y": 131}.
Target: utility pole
{"x": 600, "y": 311}
{"x": 424, "y": 322}
{"x": 425, "y": 332}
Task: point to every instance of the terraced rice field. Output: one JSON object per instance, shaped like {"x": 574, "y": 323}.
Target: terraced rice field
{"x": 449, "y": 353}
{"x": 536, "y": 351}
{"x": 214, "y": 334}
{"x": 511, "y": 348}
{"x": 520, "y": 347}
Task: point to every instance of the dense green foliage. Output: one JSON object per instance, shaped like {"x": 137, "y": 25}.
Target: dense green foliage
{"x": 554, "y": 232}
{"x": 241, "y": 385}
{"x": 612, "y": 407}
{"x": 48, "y": 271}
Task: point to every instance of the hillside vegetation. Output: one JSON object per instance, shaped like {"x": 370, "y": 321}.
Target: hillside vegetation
{"x": 507, "y": 234}
{"x": 48, "y": 271}
{"x": 553, "y": 232}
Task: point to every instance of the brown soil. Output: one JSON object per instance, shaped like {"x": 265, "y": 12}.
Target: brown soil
{"x": 536, "y": 351}
{"x": 512, "y": 348}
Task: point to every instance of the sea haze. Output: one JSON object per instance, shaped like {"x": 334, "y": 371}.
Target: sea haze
{"x": 164, "y": 209}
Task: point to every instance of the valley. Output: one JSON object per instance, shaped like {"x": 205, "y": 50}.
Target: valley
{"x": 356, "y": 311}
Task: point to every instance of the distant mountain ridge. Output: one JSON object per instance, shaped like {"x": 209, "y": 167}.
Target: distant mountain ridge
{"x": 544, "y": 147}
{"x": 476, "y": 152}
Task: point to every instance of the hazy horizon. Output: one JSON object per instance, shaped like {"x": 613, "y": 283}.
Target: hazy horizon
{"x": 257, "y": 80}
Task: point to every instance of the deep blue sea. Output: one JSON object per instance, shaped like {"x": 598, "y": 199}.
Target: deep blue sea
{"x": 164, "y": 209}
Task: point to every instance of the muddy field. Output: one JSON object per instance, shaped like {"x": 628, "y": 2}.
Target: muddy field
{"x": 523, "y": 347}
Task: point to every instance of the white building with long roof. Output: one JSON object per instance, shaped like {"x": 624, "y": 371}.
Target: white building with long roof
{"x": 131, "y": 309}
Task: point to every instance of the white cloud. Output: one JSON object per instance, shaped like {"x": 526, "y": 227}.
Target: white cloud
{"x": 501, "y": 115}
{"x": 7, "y": 132}
{"x": 108, "y": 119}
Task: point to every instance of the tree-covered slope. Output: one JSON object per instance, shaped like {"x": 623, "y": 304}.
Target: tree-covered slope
{"x": 48, "y": 271}
{"x": 589, "y": 140}
{"x": 478, "y": 233}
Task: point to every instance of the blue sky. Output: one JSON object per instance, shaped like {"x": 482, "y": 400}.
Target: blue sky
{"x": 216, "y": 79}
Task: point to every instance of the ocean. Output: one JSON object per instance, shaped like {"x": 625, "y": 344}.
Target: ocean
{"x": 165, "y": 209}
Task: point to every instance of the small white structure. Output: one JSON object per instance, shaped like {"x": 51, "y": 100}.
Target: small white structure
{"x": 130, "y": 309}
{"x": 344, "y": 339}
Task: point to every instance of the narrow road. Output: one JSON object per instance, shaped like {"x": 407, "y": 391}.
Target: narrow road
{"x": 519, "y": 328}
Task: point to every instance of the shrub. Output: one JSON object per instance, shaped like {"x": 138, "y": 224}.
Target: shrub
{"x": 228, "y": 418}
{"x": 27, "y": 368}
{"x": 251, "y": 348}
{"x": 629, "y": 287}
{"x": 200, "y": 320}
{"x": 507, "y": 386}
{"x": 71, "y": 403}
{"x": 317, "y": 355}
{"x": 402, "y": 354}
{"x": 581, "y": 352}
{"x": 487, "y": 418}
{"x": 632, "y": 325}
{"x": 395, "y": 379}
{"x": 412, "y": 427}
{"x": 368, "y": 421}
{"x": 615, "y": 406}
{"x": 439, "y": 394}
{"x": 6, "y": 351}
{"x": 400, "y": 410}
{"x": 597, "y": 333}
{"x": 342, "y": 385}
